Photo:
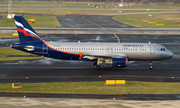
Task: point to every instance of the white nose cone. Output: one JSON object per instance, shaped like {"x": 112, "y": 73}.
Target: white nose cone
{"x": 169, "y": 54}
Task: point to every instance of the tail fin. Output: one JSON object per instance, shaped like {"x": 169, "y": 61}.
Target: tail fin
{"x": 26, "y": 32}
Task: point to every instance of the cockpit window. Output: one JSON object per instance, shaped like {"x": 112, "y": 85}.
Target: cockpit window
{"x": 163, "y": 49}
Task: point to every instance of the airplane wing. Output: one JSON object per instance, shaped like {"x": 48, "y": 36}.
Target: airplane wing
{"x": 108, "y": 55}
{"x": 95, "y": 56}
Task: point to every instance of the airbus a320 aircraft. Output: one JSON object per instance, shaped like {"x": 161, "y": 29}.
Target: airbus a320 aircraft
{"x": 115, "y": 54}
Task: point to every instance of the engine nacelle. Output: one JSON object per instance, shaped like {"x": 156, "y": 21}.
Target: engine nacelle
{"x": 117, "y": 62}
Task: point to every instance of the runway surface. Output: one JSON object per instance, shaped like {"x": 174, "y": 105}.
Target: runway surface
{"x": 53, "y": 70}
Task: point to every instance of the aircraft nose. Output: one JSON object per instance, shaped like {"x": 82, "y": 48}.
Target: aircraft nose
{"x": 169, "y": 54}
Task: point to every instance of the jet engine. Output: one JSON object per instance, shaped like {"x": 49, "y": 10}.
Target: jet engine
{"x": 117, "y": 62}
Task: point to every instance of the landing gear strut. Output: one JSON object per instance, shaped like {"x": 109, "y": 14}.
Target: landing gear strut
{"x": 96, "y": 64}
{"x": 151, "y": 65}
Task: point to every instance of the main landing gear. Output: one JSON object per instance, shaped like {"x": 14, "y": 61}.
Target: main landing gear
{"x": 96, "y": 64}
{"x": 151, "y": 65}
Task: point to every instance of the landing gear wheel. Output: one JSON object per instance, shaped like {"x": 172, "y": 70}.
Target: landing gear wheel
{"x": 95, "y": 65}
{"x": 98, "y": 67}
{"x": 151, "y": 66}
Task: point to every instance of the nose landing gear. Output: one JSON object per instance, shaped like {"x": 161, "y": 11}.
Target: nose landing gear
{"x": 151, "y": 65}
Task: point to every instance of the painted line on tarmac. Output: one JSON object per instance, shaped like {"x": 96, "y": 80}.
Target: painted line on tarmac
{"x": 117, "y": 37}
{"x": 92, "y": 22}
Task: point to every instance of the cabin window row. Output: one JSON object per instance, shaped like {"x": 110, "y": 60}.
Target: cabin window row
{"x": 100, "y": 49}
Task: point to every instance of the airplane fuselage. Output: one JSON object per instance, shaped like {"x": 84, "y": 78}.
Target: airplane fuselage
{"x": 72, "y": 50}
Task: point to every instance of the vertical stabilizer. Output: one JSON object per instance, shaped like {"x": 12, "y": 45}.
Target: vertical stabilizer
{"x": 26, "y": 32}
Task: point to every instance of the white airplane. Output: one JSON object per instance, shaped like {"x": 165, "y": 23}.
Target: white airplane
{"x": 115, "y": 54}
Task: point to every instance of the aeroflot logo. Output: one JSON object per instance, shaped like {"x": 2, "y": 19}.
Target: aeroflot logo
{"x": 133, "y": 45}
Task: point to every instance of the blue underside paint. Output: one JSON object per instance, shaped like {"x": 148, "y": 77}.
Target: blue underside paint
{"x": 38, "y": 49}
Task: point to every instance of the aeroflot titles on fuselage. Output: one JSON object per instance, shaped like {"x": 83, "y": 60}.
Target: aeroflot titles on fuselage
{"x": 133, "y": 45}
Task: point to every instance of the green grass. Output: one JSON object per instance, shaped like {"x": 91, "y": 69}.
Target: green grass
{"x": 169, "y": 20}
{"x": 40, "y": 21}
{"x": 7, "y": 35}
{"x": 154, "y": 6}
{"x": 65, "y": 12}
{"x": 95, "y": 88}
{"x": 11, "y": 51}
{"x": 81, "y": 5}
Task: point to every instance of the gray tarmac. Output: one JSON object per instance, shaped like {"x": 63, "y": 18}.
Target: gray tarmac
{"x": 90, "y": 21}
{"x": 95, "y": 31}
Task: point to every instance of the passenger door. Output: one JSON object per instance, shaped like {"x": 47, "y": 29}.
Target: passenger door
{"x": 152, "y": 49}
